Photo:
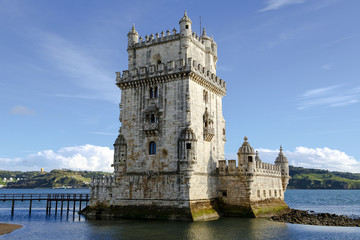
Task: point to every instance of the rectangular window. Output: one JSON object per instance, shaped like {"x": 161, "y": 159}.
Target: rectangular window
{"x": 258, "y": 193}
{"x": 275, "y": 193}
{"x": 188, "y": 145}
{"x": 269, "y": 193}
{"x": 264, "y": 193}
{"x": 223, "y": 193}
{"x": 152, "y": 118}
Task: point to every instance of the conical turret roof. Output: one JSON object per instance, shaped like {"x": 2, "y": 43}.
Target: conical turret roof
{"x": 246, "y": 148}
{"x": 133, "y": 31}
{"x": 185, "y": 18}
{"x": 281, "y": 157}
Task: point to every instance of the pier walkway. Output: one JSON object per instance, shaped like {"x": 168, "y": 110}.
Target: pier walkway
{"x": 51, "y": 199}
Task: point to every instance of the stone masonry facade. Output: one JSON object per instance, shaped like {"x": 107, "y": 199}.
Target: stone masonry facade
{"x": 169, "y": 155}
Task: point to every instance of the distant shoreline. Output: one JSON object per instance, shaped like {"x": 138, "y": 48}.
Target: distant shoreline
{"x": 6, "y": 228}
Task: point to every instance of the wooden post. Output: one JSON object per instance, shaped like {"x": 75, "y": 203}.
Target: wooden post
{"x": 62, "y": 203}
{"x": 47, "y": 206}
{"x": 87, "y": 200}
{"x": 80, "y": 203}
{"x": 30, "y": 206}
{"x": 56, "y": 203}
{"x": 12, "y": 206}
{"x": 74, "y": 207}
{"x": 68, "y": 203}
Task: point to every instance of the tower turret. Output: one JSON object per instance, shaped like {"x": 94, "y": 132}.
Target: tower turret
{"x": 133, "y": 36}
{"x": 206, "y": 39}
{"x": 282, "y": 161}
{"x": 246, "y": 155}
{"x": 246, "y": 159}
{"x": 185, "y": 25}
{"x": 120, "y": 155}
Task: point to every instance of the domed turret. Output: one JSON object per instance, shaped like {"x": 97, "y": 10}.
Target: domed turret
{"x": 187, "y": 144}
{"x": 282, "y": 161}
{"x": 246, "y": 148}
{"x": 206, "y": 39}
{"x": 246, "y": 155}
{"x": 133, "y": 36}
{"x": 120, "y": 155}
{"x": 188, "y": 135}
{"x": 281, "y": 158}
{"x": 185, "y": 25}
{"x": 257, "y": 158}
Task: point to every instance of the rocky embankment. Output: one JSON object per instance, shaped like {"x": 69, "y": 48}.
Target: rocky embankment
{"x": 324, "y": 219}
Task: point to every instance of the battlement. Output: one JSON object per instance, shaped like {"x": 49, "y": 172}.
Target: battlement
{"x": 171, "y": 67}
{"x": 259, "y": 168}
{"x": 167, "y": 37}
{"x": 103, "y": 181}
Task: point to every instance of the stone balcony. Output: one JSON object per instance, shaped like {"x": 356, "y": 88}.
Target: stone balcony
{"x": 151, "y": 129}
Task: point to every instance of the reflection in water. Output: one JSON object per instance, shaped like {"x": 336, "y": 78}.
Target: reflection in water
{"x": 40, "y": 226}
{"x": 237, "y": 228}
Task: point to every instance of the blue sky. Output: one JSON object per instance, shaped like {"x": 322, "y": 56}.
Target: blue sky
{"x": 291, "y": 67}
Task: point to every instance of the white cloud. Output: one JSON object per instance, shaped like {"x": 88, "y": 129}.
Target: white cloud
{"x": 332, "y": 96}
{"x": 343, "y": 39}
{"x": 86, "y": 157}
{"x": 276, "y": 4}
{"x": 320, "y": 158}
{"x": 319, "y": 91}
{"x": 21, "y": 110}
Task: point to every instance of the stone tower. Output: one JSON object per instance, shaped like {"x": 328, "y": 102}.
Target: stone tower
{"x": 169, "y": 155}
{"x": 172, "y": 129}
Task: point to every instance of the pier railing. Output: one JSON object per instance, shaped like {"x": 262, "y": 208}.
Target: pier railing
{"x": 49, "y": 198}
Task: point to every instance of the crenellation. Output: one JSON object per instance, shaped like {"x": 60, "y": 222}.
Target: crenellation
{"x": 171, "y": 67}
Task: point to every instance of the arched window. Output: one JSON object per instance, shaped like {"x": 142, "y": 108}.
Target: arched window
{"x": 151, "y": 92}
{"x": 152, "y": 148}
{"x": 152, "y": 118}
{"x": 156, "y": 92}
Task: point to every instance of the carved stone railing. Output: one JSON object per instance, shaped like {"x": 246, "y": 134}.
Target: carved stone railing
{"x": 151, "y": 129}
{"x": 205, "y": 76}
{"x": 259, "y": 168}
{"x": 104, "y": 181}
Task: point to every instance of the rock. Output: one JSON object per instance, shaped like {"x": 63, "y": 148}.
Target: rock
{"x": 311, "y": 218}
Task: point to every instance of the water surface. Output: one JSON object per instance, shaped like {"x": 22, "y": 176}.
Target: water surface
{"x": 40, "y": 226}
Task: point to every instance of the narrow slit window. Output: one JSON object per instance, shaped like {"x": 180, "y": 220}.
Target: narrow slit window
{"x": 152, "y": 118}
{"x": 156, "y": 92}
{"x": 152, "y": 148}
{"x": 151, "y": 93}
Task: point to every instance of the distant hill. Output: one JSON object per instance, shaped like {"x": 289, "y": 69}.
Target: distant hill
{"x": 301, "y": 178}
{"x": 54, "y": 179}
{"x": 306, "y": 178}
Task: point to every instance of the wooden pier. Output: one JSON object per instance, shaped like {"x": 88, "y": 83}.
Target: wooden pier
{"x": 51, "y": 199}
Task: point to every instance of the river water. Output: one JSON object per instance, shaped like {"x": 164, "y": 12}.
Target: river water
{"x": 69, "y": 226}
